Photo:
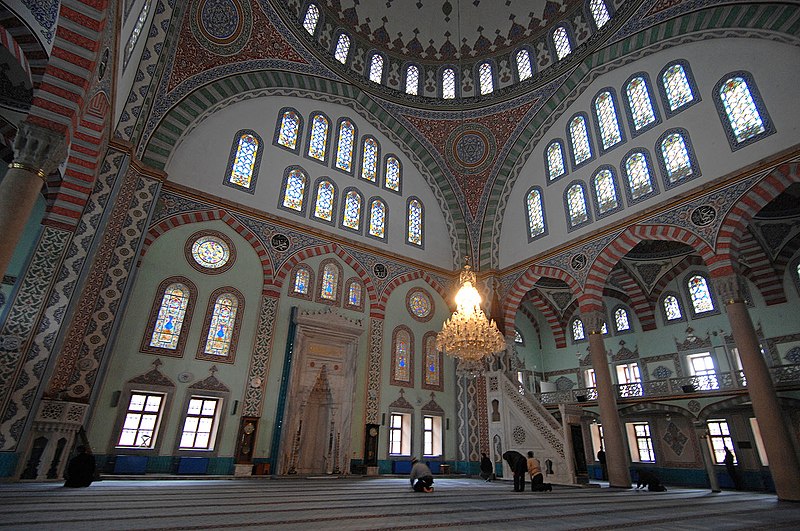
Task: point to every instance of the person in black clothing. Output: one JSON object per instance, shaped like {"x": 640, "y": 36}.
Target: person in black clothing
{"x": 80, "y": 470}
{"x": 601, "y": 457}
{"x": 486, "y": 467}
{"x": 421, "y": 476}
{"x": 730, "y": 466}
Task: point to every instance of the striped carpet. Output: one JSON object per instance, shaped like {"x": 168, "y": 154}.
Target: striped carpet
{"x": 377, "y": 503}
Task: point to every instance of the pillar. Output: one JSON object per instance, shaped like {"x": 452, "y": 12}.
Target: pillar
{"x": 783, "y": 462}
{"x": 38, "y": 151}
{"x": 613, "y": 441}
{"x": 701, "y": 431}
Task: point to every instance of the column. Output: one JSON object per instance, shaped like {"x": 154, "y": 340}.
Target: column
{"x": 783, "y": 462}
{"x": 38, "y": 151}
{"x": 616, "y": 454}
{"x": 701, "y": 431}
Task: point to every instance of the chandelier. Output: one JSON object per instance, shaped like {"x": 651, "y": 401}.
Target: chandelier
{"x": 468, "y": 335}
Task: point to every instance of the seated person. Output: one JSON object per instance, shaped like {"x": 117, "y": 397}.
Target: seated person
{"x": 421, "y": 476}
{"x": 650, "y": 480}
{"x": 80, "y": 470}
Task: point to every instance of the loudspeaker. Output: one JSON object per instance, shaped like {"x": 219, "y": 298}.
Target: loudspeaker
{"x": 383, "y": 419}
{"x": 235, "y": 407}
{"x": 115, "y": 398}
{"x": 447, "y": 423}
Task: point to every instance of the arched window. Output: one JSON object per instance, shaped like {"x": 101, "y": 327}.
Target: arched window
{"x": 561, "y": 42}
{"x": 621, "y": 322}
{"x": 377, "y": 219}
{"x": 677, "y": 87}
{"x": 222, "y": 322}
{"x": 605, "y": 191}
{"x": 288, "y": 130}
{"x": 294, "y": 191}
{"x": 351, "y": 215}
{"x": 318, "y": 137}
{"x": 376, "y": 68}
{"x": 556, "y": 166}
{"x": 342, "y": 48}
{"x": 448, "y": 83}
{"x": 485, "y": 78}
{"x": 355, "y": 295}
{"x": 370, "y": 154}
{"x": 170, "y": 317}
{"x": 415, "y": 222}
{"x": 345, "y": 144}
{"x": 639, "y": 176}
{"x": 577, "y": 209}
{"x": 639, "y": 101}
{"x": 599, "y": 12}
{"x": 676, "y": 157}
{"x": 412, "y": 80}
{"x": 432, "y": 372}
{"x": 524, "y": 65}
{"x": 699, "y": 294}
{"x": 672, "y": 308}
{"x": 329, "y": 276}
{"x": 535, "y": 209}
{"x": 402, "y": 357}
{"x": 605, "y": 111}
{"x": 324, "y": 200}
{"x": 311, "y": 18}
{"x": 579, "y": 140}
{"x": 243, "y": 161}
{"x": 577, "y": 330}
{"x": 745, "y": 117}
{"x": 130, "y": 46}
{"x": 393, "y": 173}
{"x": 518, "y": 339}
{"x": 302, "y": 281}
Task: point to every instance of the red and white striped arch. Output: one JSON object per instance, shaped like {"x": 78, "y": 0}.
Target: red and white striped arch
{"x": 550, "y": 314}
{"x": 637, "y": 299}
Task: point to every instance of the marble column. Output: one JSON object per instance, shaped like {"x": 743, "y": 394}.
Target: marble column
{"x": 613, "y": 441}
{"x": 701, "y": 431}
{"x": 783, "y": 463}
{"x": 38, "y": 151}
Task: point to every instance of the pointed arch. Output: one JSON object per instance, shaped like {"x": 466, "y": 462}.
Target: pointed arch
{"x": 402, "y": 279}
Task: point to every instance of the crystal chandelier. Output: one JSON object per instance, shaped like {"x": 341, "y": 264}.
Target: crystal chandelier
{"x": 468, "y": 335}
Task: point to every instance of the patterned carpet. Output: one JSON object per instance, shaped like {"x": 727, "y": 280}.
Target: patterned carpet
{"x": 377, "y": 503}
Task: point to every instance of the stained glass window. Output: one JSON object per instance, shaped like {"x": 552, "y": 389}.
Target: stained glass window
{"x": 741, "y": 109}
{"x": 577, "y": 330}
{"x": 576, "y": 204}
{"x": 402, "y": 362}
{"x": 700, "y": 295}
{"x": 675, "y": 157}
{"x": 352, "y": 210}
{"x": 606, "y": 114}
{"x": 555, "y": 160}
{"x": 448, "y": 83}
{"x": 311, "y": 18}
{"x": 605, "y": 191}
{"x": 518, "y": 337}
{"x": 318, "y": 143}
{"x": 533, "y": 202}
{"x": 672, "y": 309}
{"x": 130, "y": 46}
{"x": 301, "y": 281}
{"x": 392, "y": 174}
{"x": 167, "y": 330}
{"x": 210, "y": 252}
{"x": 323, "y": 208}
{"x": 294, "y": 192}
{"x": 639, "y": 103}
{"x": 599, "y": 12}
{"x": 432, "y": 369}
{"x": 377, "y": 219}
{"x": 420, "y": 304}
{"x": 220, "y": 330}
{"x": 342, "y": 48}
{"x": 354, "y": 294}
{"x": 245, "y": 161}
{"x": 676, "y": 86}
{"x": 412, "y": 80}
{"x": 638, "y": 173}
{"x": 621, "y": 319}
{"x": 369, "y": 159}
{"x": 524, "y": 69}
{"x": 579, "y": 136}
{"x": 485, "y": 78}
{"x": 415, "y": 222}
{"x": 376, "y": 69}
{"x": 604, "y": 329}
{"x": 344, "y": 151}
{"x": 290, "y": 129}
{"x": 561, "y": 42}
{"x": 330, "y": 281}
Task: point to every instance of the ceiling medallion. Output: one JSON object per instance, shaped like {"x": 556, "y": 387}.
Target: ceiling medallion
{"x": 471, "y": 148}
{"x": 222, "y": 26}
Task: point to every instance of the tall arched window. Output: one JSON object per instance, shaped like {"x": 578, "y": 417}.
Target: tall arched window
{"x": 393, "y": 173}
{"x": 745, "y": 116}
{"x": 605, "y": 191}
{"x": 533, "y": 205}
{"x": 639, "y": 176}
{"x": 355, "y": 295}
{"x": 294, "y": 190}
{"x": 599, "y": 12}
{"x": 342, "y": 48}
{"x": 377, "y": 219}
{"x": 415, "y": 222}
{"x": 351, "y": 215}
{"x": 621, "y": 322}
{"x": 222, "y": 321}
{"x": 578, "y": 212}
{"x": 556, "y": 167}
{"x": 676, "y": 157}
{"x": 302, "y": 281}
{"x": 345, "y": 145}
{"x": 370, "y": 154}
{"x": 376, "y": 68}
{"x": 485, "y": 79}
{"x": 412, "y": 80}
{"x": 130, "y": 46}
{"x": 432, "y": 371}
{"x": 324, "y": 200}
{"x": 672, "y": 308}
{"x": 639, "y": 101}
{"x": 448, "y": 83}
{"x": 318, "y": 137}
{"x": 605, "y": 111}
{"x": 561, "y": 42}
{"x": 579, "y": 140}
{"x": 311, "y": 18}
{"x": 677, "y": 87}
{"x": 170, "y": 317}
{"x": 288, "y": 133}
{"x": 699, "y": 294}
{"x": 577, "y": 330}
{"x": 243, "y": 161}
{"x": 329, "y": 277}
{"x": 524, "y": 65}
{"x": 402, "y": 357}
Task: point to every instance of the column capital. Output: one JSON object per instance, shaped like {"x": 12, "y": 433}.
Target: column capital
{"x": 38, "y": 149}
{"x": 730, "y": 288}
{"x": 593, "y": 321}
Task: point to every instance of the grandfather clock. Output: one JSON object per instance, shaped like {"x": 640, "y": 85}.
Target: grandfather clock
{"x": 371, "y": 445}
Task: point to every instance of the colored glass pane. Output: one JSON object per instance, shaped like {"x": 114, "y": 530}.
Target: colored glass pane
{"x": 392, "y": 175}
{"x": 535, "y": 213}
{"x": 605, "y": 191}
{"x": 639, "y": 101}
{"x": 420, "y": 304}
{"x": 290, "y": 127}
{"x": 330, "y": 279}
{"x": 369, "y": 160}
{"x": 579, "y": 134}
{"x": 324, "y": 204}
{"x": 599, "y": 12}
{"x": 485, "y": 78}
{"x": 311, "y": 18}
{"x": 352, "y": 210}
{"x": 295, "y": 190}
{"x": 167, "y": 330}
{"x": 244, "y": 162}
{"x": 354, "y": 294}
{"x": 561, "y": 42}
{"x": 344, "y": 151}
{"x": 130, "y": 46}
{"x": 621, "y": 319}
{"x": 377, "y": 219}
{"x": 604, "y": 329}
{"x": 638, "y": 175}
{"x": 555, "y": 161}
{"x": 518, "y": 337}
{"x": 576, "y": 201}
{"x": 431, "y": 362}
{"x": 318, "y": 143}
{"x": 301, "y": 280}
{"x": 210, "y": 252}
{"x": 220, "y": 331}
{"x": 402, "y": 369}
{"x": 342, "y": 48}
{"x": 412, "y": 80}
{"x": 677, "y": 87}
{"x": 676, "y": 157}
{"x": 376, "y": 69}
{"x": 741, "y": 109}
{"x": 701, "y": 297}
{"x": 577, "y": 330}
{"x": 607, "y": 118}
{"x": 449, "y": 84}
{"x": 671, "y": 308}
{"x": 415, "y": 222}
{"x": 524, "y": 69}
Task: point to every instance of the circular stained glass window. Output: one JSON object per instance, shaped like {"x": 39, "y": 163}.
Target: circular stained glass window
{"x": 210, "y": 251}
{"x": 420, "y": 304}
